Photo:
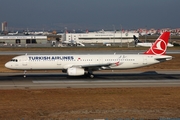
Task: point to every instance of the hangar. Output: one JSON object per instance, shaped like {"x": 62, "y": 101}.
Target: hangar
{"x": 23, "y": 39}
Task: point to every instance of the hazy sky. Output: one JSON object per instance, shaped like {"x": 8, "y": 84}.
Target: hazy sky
{"x": 90, "y": 14}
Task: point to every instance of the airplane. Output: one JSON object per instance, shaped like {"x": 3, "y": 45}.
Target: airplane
{"x": 13, "y": 33}
{"x": 79, "y": 65}
{"x": 73, "y": 43}
{"x": 138, "y": 43}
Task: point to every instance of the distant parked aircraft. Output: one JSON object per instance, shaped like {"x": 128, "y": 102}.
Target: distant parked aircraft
{"x": 146, "y": 44}
{"x": 13, "y": 33}
{"x": 73, "y": 43}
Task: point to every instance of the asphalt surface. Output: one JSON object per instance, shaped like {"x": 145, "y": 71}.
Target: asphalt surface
{"x": 102, "y": 79}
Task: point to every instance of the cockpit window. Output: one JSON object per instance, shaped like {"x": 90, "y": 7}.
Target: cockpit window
{"x": 14, "y": 60}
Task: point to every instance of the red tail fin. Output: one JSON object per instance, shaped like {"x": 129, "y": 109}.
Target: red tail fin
{"x": 160, "y": 45}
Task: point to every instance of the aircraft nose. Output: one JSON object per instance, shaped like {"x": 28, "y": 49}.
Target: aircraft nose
{"x": 8, "y": 65}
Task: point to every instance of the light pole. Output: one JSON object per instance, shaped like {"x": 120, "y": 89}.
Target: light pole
{"x": 114, "y": 35}
{"x": 121, "y": 35}
{"x": 145, "y": 33}
{"x": 65, "y": 31}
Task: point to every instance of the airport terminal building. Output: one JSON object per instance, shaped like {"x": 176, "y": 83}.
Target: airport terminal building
{"x": 101, "y": 37}
{"x": 33, "y": 40}
{"x": 23, "y": 39}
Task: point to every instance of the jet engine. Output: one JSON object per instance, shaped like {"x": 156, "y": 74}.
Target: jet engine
{"x": 74, "y": 71}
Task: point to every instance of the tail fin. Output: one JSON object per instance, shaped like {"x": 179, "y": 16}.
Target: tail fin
{"x": 136, "y": 40}
{"x": 160, "y": 45}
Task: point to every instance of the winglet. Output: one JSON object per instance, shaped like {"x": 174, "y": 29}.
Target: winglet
{"x": 160, "y": 45}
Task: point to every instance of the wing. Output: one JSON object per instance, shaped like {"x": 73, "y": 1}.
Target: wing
{"x": 99, "y": 66}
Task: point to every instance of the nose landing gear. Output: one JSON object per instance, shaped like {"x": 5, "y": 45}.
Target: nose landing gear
{"x": 25, "y": 73}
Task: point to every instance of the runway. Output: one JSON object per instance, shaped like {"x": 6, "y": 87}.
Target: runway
{"x": 101, "y": 80}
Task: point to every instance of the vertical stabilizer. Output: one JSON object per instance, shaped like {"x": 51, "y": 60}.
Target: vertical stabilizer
{"x": 160, "y": 45}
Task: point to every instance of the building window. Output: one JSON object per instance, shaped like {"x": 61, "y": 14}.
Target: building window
{"x": 18, "y": 41}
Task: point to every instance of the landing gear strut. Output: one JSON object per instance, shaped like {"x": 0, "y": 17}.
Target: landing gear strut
{"x": 24, "y": 73}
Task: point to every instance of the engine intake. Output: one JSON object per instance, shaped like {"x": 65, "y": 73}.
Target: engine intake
{"x": 74, "y": 71}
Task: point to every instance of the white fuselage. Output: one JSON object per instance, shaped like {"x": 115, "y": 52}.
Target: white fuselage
{"x": 58, "y": 62}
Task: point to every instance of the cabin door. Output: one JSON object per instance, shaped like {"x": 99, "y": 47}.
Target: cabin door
{"x": 145, "y": 60}
{"x": 58, "y": 62}
{"x": 100, "y": 60}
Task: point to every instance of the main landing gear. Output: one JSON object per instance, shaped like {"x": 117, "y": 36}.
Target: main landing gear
{"x": 89, "y": 74}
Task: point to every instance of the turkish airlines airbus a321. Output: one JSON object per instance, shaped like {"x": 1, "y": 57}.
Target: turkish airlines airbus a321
{"x": 77, "y": 65}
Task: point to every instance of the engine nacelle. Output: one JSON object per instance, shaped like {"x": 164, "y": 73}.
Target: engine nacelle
{"x": 75, "y": 71}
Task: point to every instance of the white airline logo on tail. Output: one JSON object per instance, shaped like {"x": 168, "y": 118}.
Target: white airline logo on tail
{"x": 160, "y": 47}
